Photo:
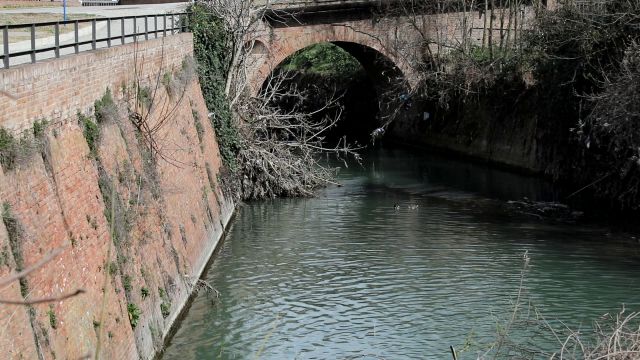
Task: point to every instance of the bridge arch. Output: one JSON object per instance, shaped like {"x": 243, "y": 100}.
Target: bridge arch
{"x": 381, "y": 70}
{"x": 378, "y": 60}
{"x": 370, "y": 100}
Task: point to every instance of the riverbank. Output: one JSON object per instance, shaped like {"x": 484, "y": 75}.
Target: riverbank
{"x": 112, "y": 197}
{"x": 558, "y": 101}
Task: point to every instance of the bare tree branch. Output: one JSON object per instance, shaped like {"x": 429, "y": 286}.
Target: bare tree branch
{"x": 46, "y": 259}
{"x": 43, "y": 300}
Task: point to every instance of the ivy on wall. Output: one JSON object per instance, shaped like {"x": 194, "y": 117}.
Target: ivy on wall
{"x": 211, "y": 48}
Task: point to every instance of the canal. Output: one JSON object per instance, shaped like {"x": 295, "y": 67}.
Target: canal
{"x": 349, "y": 275}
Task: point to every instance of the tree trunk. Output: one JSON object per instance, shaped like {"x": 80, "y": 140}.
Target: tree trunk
{"x": 501, "y": 27}
{"x": 491, "y": 30}
{"x": 484, "y": 25}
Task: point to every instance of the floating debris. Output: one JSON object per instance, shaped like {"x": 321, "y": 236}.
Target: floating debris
{"x": 544, "y": 210}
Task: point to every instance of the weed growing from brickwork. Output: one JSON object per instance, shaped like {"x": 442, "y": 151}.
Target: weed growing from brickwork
{"x": 39, "y": 127}
{"x": 4, "y": 256}
{"x": 53, "y": 320}
{"x": 15, "y": 234}
{"x": 126, "y": 283}
{"x": 183, "y": 234}
{"x": 105, "y": 109}
{"x": 14, "y": 231}
{"x": 175, "y": 83}
{"x": 91, "y": 132}
{"x": 165, "y": 305}
{"x": 7, "y": 150}
{"x": 165, "y": 309}
{"x": 198, "y": 125}
{"x": 166, "y": 80}
{"x": 14, "y": 150}
{"x": 134, "y": 314}
{"x": 112, "y": 268}
{"x": 144, "y": 97}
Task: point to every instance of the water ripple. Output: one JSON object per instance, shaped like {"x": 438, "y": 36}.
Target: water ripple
{"x": 346, "y": 276}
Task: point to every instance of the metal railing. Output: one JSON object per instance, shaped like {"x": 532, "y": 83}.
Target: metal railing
{"x": 98, "y": 33}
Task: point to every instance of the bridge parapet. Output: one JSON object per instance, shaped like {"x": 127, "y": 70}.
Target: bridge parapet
{"x": 444, "y": 5}
{"x": 285, "y": 4}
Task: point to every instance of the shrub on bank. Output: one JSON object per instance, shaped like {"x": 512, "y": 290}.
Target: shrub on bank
{"x": 580, "y": 66}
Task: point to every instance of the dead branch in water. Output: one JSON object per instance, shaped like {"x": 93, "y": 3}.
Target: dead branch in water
{"x": 282, "y": 147}
{"x": 271, "y": 151}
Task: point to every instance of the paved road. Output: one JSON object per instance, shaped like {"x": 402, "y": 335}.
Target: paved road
{"x": 85, "y": 34}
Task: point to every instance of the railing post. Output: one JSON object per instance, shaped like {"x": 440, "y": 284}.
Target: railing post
{"x": 173, "y": 25}
{"x": 185, "y": 25}
{"x": 33, "y": 43}
{"x": 155, "y": 25}
{"x": 93, "y": 34}
{"x": 109, "y": 32}
{"x": 57, "y": 35}
{"x": 135, "y": 29}
{"x": 76, "y": 36}
{"x": 164, "y": 25}
{"x": 5, "y": 40}
{"x": 122, "y": 30}
{"x": 146, "y": 28}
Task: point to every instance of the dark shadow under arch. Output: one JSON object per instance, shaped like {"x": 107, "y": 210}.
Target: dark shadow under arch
{"x": 384, "y": 74}
{"x": 375, "y": 98}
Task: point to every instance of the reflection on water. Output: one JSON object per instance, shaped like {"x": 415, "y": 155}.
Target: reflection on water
{"x": 345, "y": 275}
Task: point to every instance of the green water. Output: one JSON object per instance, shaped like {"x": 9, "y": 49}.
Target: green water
{"x": 346, "y": 276}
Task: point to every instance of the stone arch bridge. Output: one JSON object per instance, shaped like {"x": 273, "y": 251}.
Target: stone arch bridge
{"x": 389, "y": 38}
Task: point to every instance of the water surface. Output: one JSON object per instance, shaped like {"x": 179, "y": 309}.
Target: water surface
{"x": 347, "y": 276}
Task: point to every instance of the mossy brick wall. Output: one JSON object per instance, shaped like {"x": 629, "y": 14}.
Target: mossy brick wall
{"x": 55, "y": 197}
{"x": 16, "y": 335}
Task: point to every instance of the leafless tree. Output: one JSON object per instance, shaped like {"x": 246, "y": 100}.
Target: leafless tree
{"x": 281, "y": 148}
{"x": 240, "y": 19}
{"x": 145, "y": 98}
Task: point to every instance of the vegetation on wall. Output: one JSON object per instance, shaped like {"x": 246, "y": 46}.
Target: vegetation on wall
{"x": 14, "y": 150}
{"x": 7, "y": 149}
{"x": 128, "y": 191}
{"x": 91, "y": 133}
{"x": 579, "y": 66}
{"x": 104, "y": 108}
{"x": 211, "y": 47}
{"x": 269, "y": 152}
